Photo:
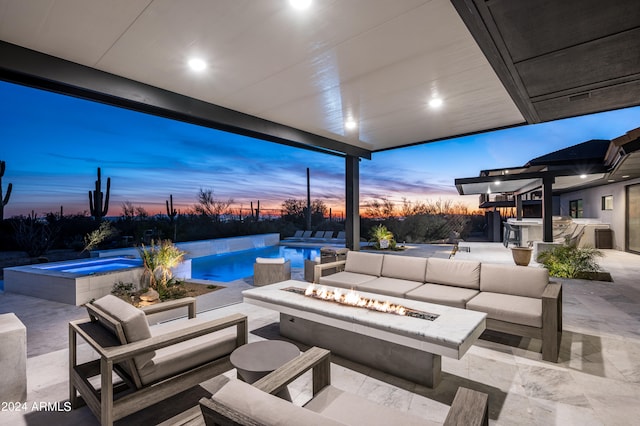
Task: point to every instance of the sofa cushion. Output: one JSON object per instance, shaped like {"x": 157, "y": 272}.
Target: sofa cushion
{"x": 364, "y": 263}
{"x": 443, "y": 295}
{"x": 509, "y": 308}
{"x": 266, "y": 409}
{"x": 460, "y": 273}
{"x": 346, "y": 279}
{"x": 183, "y": 356}
{"x": 404, "y": 267}
{"x": 524, "y": 281}
{"x": 133, "y": 321}
{"x": 388, "y": 286}
{"x": 350, "y": 409}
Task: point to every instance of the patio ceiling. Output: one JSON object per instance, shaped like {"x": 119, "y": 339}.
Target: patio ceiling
{"x": 296, "y": 77}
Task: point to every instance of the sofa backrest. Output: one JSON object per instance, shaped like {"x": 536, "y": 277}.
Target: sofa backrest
{"x": 404, "y": 267}
{"x": 459, "y": 273}
{"x": 525, "y": 281}
{"x": 264, "y": 408}
{"x": 364, "y": 263}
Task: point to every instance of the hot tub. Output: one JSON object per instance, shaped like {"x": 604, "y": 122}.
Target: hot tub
{"x": 73, "y": 282}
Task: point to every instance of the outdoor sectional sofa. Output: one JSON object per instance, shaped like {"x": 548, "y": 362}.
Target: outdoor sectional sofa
{"x": 518, "y": 300}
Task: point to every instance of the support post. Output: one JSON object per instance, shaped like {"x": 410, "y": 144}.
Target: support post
{"x": 519, "y": 207}
{"x": 547, "y": 211}
{"x": 308, "y": 201}
{"x": 352, "y": 188}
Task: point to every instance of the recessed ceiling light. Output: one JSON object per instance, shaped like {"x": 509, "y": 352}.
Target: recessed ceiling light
{"x": 197, "y": 64}
{"x": 611, "y": 180}
{"x": 300, "y": 4}
{"x": 625, "y": 176}
{"x": 497, "y": 182}
{"x": 583, "y": 176}
{"x": 435, "y": 102}
{"x": 350, "y": 124}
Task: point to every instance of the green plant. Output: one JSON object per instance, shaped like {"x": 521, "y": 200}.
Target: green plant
{"x": 124, "y": 291}
{"x": 94, "y": 238}
{"x": 569, "y": 261}
{"x": 380, "y": 233}
{"x": 158, "y": 260}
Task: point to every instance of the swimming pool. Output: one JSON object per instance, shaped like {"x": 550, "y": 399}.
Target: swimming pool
{"x": 234, "y": 266}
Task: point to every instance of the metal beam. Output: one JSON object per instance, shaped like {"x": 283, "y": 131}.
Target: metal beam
{"x": 35, "y": 69}
{"x": 352, "y": 189}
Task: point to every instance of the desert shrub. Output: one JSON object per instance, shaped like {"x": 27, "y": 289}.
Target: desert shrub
{"x": 569, "y": 260}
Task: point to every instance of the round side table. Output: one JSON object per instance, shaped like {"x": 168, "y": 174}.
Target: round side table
{"x": 255, "y": 360}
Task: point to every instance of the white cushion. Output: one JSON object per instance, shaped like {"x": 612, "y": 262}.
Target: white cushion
{"x": 443, "y": 295}
{"x": 460, "y": 273}
{"x": 364, "y": 263}
{"x": 388, "y": 286}
{"x": 527, "y": 281}
{"x": 404, "y": 267}
{"x": 276, "y": 260}
{"x": 346, "y": 279}
{"x": 509, "y": 308}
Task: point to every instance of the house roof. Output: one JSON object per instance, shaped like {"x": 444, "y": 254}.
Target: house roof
{"x": 297, "y": 77}
{"x": 591, "y": 163}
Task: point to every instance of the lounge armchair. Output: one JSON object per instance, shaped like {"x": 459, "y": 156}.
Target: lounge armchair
{"x": 154, "y": 363}
{"x": 238, "y": 403}
{"x": 271, "y": 270}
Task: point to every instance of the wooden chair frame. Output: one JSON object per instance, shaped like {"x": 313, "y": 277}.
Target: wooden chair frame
{"x": 469, "y": 407}
{"x": 110, "y": 403}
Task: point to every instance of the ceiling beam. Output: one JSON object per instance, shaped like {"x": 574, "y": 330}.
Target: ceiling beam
{"x": 35, "y": 69}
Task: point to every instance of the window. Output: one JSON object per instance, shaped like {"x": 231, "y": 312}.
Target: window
{"x": 575, "y": 208}
{"x": 607, "y": 202}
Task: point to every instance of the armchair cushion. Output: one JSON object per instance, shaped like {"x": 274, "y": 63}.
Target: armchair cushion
{"x": 265, "y": 408}
{"x": 183, "y": 356}
{"x": 133, "y": 321}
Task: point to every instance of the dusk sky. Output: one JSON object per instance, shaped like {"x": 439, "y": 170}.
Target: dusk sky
{"x": 53, "y": 144}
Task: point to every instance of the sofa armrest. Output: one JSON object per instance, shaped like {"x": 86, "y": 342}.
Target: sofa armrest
{"x": 469, "y": 408}
{"x": 315, "y": 358}
{"x": 317, "y": 270}
{"x": 189, "y": 302}
{"x": 551, "y": 321}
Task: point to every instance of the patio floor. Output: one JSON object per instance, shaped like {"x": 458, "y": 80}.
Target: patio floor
{"x": 596, "y": 382}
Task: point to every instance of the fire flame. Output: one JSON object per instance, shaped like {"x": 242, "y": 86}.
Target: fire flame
{"x": 352, "y": 298}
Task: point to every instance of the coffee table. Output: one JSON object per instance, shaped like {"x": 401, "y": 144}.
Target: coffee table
{"x": 403, "y": 346}
{"x": 255, "y": 360}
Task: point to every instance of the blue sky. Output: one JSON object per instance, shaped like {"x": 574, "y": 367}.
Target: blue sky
{"x": 53, "y": 145}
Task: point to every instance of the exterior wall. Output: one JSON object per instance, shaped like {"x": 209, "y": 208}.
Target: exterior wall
{"x": 592, "y": 206}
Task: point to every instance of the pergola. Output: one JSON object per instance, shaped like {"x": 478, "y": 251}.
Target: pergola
{"x": 348, "y": 78}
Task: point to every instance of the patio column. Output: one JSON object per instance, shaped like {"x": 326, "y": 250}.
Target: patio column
{"x": 519, "y": 207}
{"x": 352, "y": 189}
{"x": 547, "y": 212}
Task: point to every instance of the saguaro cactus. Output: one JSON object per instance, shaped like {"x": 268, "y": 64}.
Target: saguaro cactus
{"x": 255, "y": 213}
{"x": 171, "y": 212}
{"x": 5, "y": 200}
{"x": 98, "y": 203}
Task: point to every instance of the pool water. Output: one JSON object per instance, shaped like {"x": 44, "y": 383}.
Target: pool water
{"x": 234, "y": 266}
{"x": 92, "y": 266}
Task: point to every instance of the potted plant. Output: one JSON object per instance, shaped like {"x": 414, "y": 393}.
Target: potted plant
{"x": 522, "y": 255}
{"x": 382, "y": 238}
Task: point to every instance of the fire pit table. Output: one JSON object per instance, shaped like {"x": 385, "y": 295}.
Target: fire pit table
{"x": 408, "y": 346}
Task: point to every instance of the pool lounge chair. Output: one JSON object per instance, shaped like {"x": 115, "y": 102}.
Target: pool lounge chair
{"x": 153, "y": 363}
